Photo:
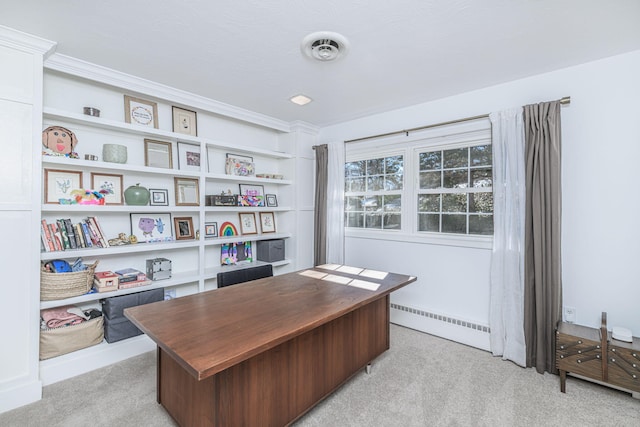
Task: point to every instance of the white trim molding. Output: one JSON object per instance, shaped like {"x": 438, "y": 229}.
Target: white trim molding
{"x": 25, "y": 42}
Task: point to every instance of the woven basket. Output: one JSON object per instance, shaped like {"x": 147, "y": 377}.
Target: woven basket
{"x": 54, "y": 286}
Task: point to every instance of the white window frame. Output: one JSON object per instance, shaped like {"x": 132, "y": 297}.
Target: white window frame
{"x": 438, "y": 138}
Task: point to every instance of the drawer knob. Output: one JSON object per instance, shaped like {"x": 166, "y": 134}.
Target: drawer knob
{"x": 579, "y": 361}
{"x": 613, "y": 349}
{"x": 579, "y": 341}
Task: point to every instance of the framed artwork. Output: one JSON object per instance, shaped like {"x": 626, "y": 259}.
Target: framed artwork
{"x": 151, "y": 227}
{"x": 267, "y": 222}
{"x": 158, "y": 154}
{"x": 184, "y": 228}
{"x": 272, "y": 200}
{"x": 187, "y": 191}
{"x": 210, "y": 229}
{"x": 251, "y": 195}
{"x": 58, "y": 184}
{"x": 140, "y": 112}
{"x": 248, "y": 223}
{"x": 158, "y": 197}
{"x": 239, "y": 157}
{"x": 184, "y": 121}
{"x": 110, "y": 185}
{"x": 188, "y": 156}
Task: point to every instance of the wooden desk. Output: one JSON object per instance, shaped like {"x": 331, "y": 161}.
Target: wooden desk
{"x": 263, "y": 353}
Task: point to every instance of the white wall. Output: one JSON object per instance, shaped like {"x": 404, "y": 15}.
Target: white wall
{"x": 601, "y": 236}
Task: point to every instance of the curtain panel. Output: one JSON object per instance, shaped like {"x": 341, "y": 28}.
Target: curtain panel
{"x": 320, "y": 206}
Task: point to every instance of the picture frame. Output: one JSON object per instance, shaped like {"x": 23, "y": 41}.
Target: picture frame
{"x": 239, "y": 157}
{"x": 248, "y": 223}
{"x": 110, "y": 182}
{"x": 271, "y": 200}
{"x": 251, "y": 195}
{"x": 58, "y": 184}
{"x": 158, "y": 197}
{"x": 183, "y": 226}
{"x": 140, "y": 112}
{"x": 158, "y": 154}
{"x": 210, "y": 230}
{"x": 187, "y": 191}
{"x": 151, "y": 227}
{"x": 189, "y": 157}
{"x": 267, "y": 222}
{"x": 184, "y": 121}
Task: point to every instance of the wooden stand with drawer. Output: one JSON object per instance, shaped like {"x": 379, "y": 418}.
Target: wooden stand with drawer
{"x": 593, "y": 354}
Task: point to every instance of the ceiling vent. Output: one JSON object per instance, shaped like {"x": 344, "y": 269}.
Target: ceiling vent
{"x": 324, "y": 46}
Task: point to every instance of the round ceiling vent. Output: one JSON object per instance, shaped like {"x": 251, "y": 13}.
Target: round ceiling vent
{"x": 324, "y": 46}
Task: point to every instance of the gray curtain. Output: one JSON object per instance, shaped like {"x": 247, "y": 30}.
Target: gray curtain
{"x": 543, "y": 270}
{"x": 320, "y": 211}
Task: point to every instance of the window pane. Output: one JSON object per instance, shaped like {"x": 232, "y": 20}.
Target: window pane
{"x": 455, "y": 179}
{"x": 454, "y": 202}
{"x": 355, "y": 219}
{"x": 393, "y": 182}
{"x": 480, "y": 224}
{"x": 481, "y": 202}
{"x": 392, "y": 221}
{"x": 430, "y": 180}
{"x": 354, "y": 184}
{"x": 456, "y": 158}
{"x": 373, "y": 220}
{"x": 393, "y": 164}
{"x": 481, "y": 177}
{"x": 429, "y": 203}
{"x": 374, "y": 183}
{"x": 353, "y": 203}
{"x": 375, "y": 167}
{"x": 454, "y": 223}
{"x": 431, "y": 160}
{"x": 429, "y": 222}
{"x": 354, "y": 168}
{"x": 392, "y": 203}
{"x": 481, "y": 155}
{"x": 372, "y": 203}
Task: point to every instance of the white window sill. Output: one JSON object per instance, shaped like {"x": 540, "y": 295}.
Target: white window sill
{"x": 444, "y": 239}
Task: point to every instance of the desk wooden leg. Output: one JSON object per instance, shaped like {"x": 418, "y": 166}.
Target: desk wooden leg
{"x": 563, "y": 381}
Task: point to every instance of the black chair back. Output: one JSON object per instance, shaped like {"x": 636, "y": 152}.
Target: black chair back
{"x": 233, "y": 277}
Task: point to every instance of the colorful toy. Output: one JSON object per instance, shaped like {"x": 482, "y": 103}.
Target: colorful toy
{"x": 85, "y": 197}
{"x": 59, "y": 141}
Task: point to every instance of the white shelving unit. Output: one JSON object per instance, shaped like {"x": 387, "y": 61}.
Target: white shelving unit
{"x": 195, "y": 262}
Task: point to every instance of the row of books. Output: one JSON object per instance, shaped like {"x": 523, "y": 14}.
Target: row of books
{"x": 62, "y": 234}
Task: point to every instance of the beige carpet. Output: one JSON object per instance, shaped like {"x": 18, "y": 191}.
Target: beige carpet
{"x": 421, "y": 381}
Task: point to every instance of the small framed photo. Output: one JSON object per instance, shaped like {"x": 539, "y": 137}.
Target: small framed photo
{"x": 158, "y": 197}
{"x": 151, "y": 227}
{"x": 184, "y": 228}
{"x": 110, "y": 185}
{"x": 188, "y": 156}
{"x": 187, "y": 191}
{"x": 248, "y": 223}
{"x": 158, "y": 154}
{"x": 184, "y": 121}
{"x": 210, "y": 230}
{"x": 272, "y": 200}
{"x": 140, "y": 112}
{"x": 58, "y": 184}
{"x": 267, "y": 222}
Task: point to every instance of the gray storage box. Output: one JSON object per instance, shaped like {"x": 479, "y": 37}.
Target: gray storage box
{"x": 119, "y": 329}
{"x": 116, "y": 326}
{"x": 270, "y": 250}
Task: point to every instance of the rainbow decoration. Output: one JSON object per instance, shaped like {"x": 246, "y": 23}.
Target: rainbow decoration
{"x": 228, "y": 229}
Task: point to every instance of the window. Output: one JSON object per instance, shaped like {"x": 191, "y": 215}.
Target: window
{"x": 455, "y": 193}
{"x": 373, "y": 193}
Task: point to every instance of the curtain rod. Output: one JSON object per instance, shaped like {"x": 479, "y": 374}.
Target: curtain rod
{"x": 564, "y": 101}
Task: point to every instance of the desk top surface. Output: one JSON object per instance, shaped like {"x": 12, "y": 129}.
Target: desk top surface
{"x": 211, "y": 331}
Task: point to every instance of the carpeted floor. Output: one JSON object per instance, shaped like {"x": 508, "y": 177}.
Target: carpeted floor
{"x": 421, "y": 381}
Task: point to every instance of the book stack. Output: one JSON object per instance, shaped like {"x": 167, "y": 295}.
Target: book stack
{"x": 131, "y": 278}
{"x": 62, "y": 234}
{"x": 105, "y": 281}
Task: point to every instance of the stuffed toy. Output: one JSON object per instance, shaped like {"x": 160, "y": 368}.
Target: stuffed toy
{"x": 59, "y": 141}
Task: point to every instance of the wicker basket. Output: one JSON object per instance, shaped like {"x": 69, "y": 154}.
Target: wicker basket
{"x": 54, "y": 286}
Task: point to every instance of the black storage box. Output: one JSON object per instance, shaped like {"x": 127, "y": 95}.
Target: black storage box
{"x": 116, "y": 326}
{"x": 270, "y": 250}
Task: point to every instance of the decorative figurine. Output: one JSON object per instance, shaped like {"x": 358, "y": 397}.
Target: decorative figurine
{"x": 59, "y": 141}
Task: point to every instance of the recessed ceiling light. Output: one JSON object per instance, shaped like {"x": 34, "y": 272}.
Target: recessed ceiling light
{"x": 300, "y": 99}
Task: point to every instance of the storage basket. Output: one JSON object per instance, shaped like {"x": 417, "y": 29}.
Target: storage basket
{"x": 58, "y": 341}
{"x": 54, "y": 286}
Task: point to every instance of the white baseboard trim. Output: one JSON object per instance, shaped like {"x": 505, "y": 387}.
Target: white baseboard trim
{"x": 13, "y": 396}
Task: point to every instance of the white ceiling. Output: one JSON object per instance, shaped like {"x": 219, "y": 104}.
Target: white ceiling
{"x": 247, "y": 52}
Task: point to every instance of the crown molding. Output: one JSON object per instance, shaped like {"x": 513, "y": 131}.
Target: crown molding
{"x": 98, "y": 73}
{"x": 306, "y": 127}
{"x": 25, "y": 42}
